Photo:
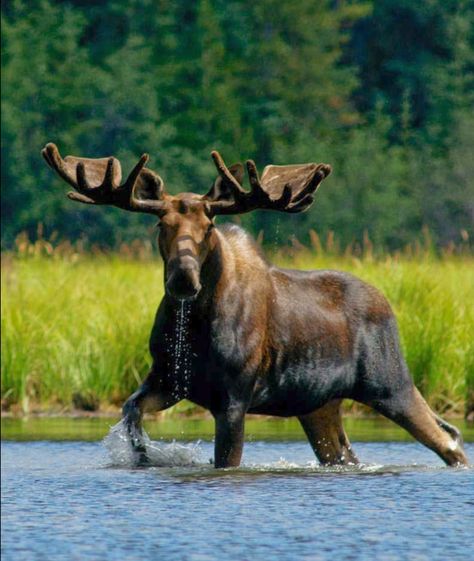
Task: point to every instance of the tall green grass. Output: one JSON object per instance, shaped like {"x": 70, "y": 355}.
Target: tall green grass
{"x": 75, "y": 327}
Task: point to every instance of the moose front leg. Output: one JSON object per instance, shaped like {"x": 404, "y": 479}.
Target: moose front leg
{"x": 229, "y": 441}
{"x": 149, "y": 397}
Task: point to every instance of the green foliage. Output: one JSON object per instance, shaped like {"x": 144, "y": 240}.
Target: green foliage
{"x": 420, "y": 51}
{"x": 75, "y": 325}
{"x": 381, "y": 90}
{"x": 99, "y": 347}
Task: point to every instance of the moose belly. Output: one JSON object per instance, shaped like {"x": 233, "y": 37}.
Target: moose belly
{"x": 302, "y": 388}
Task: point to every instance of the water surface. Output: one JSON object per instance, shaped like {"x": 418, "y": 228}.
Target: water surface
{"x": 73, "y": 501}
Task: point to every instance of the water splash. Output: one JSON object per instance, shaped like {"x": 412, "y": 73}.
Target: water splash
{"x": 159, "y": 454}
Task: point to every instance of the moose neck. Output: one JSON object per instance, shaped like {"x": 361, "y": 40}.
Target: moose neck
{"x": 234, "y": 274}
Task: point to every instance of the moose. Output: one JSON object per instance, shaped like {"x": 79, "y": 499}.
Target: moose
{"x": 261, "y": 339}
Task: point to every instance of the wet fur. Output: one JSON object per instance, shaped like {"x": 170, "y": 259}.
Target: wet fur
{"x": 289, "y": 343}
{"x": 260, "y": 339}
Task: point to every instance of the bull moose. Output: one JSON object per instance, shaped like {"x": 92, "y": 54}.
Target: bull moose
{"x": 261, "y": 339}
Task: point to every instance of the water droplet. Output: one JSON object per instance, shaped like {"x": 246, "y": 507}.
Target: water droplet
{"x": 277, "y": 233}
{"x": 181, "y": 355}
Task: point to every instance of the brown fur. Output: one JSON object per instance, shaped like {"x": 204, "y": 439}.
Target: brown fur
{"x": 260, "y": 339}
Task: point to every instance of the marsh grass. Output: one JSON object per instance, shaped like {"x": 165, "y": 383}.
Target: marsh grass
{"x": 75, "y": 324}
{"x": 76, "y": 331}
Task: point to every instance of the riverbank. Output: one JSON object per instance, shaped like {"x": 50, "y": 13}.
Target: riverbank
{"x": 75, "y": 328}
{"x": 183, "y": 410}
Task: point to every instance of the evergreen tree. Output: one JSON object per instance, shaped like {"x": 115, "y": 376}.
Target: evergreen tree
{"x": 381, "y": 90}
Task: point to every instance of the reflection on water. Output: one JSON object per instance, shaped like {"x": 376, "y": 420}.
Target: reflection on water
{"x": 375, "y": 429}
{"x": 73, "y": 501}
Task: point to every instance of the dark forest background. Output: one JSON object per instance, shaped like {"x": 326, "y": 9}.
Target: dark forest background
{"x": 382, "y": 90}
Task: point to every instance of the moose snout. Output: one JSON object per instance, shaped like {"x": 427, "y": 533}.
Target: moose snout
{"x": 183, "y": 279}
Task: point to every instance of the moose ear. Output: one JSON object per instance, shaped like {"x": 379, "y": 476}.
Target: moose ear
{"x": 221, "y": 188}
{"x": 149, "y": 186}
{"x": 237, "y": 170}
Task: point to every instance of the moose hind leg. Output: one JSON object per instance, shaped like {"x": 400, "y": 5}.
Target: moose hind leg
{"x": 411, "y": 412}
{"x": 326, "y": 435}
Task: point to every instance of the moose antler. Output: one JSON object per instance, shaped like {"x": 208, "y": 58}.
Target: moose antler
{"x": 97, "y": 181}
{"x": 284, "y": 188}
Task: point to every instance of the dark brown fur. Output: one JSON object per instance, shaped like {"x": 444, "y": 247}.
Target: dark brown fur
{"x": 288, "y": 343}
{"x": 260, "y": 339}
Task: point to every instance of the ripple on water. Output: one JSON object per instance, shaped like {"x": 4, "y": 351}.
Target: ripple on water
{"x": 59, "y": 503}
{"x": 190, "y": 455}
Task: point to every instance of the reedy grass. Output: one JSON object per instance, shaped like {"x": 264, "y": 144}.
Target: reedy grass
{"x": 75, "y": 326}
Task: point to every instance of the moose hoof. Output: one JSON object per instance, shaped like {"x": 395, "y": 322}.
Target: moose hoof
{"x": 142, "y": 460}
{"x": 140, "y": 457}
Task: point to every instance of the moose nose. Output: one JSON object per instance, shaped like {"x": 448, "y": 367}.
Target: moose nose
{"x": 183, "y": 281}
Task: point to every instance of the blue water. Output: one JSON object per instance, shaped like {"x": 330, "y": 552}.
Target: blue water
{"x": 71, "y": 501}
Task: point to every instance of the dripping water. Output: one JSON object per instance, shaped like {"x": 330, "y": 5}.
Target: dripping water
{"x": 276, "y": 235}
{"x": 181, "y": 355}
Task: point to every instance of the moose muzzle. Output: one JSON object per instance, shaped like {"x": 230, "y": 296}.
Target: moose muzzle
{"x": 183, "y": 278}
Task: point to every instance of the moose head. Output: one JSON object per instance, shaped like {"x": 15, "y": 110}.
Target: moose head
{"x": 186, "y": 221}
